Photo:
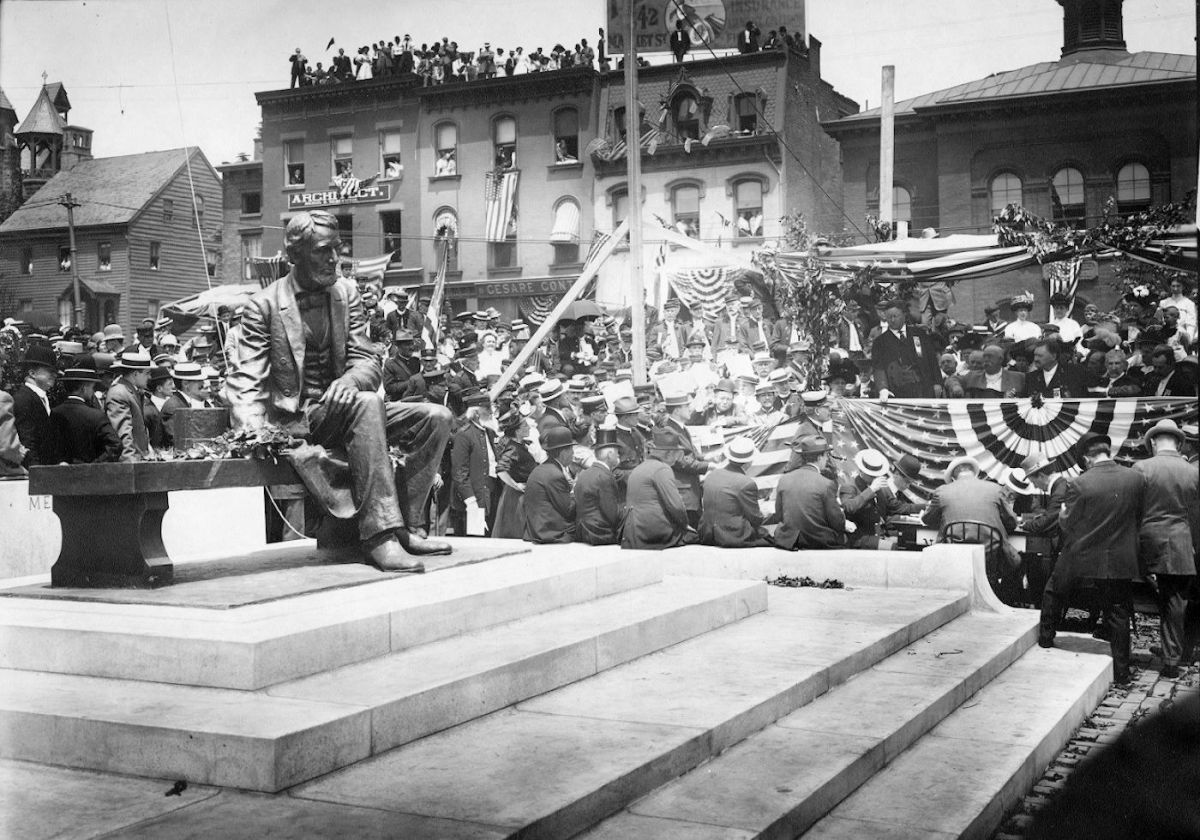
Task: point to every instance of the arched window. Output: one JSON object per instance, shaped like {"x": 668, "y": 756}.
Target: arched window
{"x": 566, "y": 135}
{"x": 901, "y": 204}
{"x": 1006, "y": 190}
{"x": 445, "y": 141}
{"x": 504, "y": 142}
{"x": 1067, "y": 197}
{"x": 445, "y": 232}
{"x": 686, "y": 112}
{"x": 564, "y": 236}
{"x": 748, "y": 207}
{"x": 685, "y": 209}
{"x": 1133, "y": 188}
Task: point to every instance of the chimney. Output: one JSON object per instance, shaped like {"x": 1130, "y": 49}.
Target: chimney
{"x": 258, "y": 148}
{"x": 814, "y": 55}
{"x": 1092, "y": 30}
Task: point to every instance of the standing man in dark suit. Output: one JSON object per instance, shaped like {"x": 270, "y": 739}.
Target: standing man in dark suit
{"x": 1100, "y": 521}
{"x": 598, "y": 499}
{"x": 123, "y": 403}
{"x": 304, "y": 362}
{"x": 550, "y": 510}
{"x": 1170, "y": 533}
{"x": 731, "y": 517}
{"x": 473, "y": 469}
{"x": 680, "y": 42}
{"x": 747, "y": 39}
{"x": 401, "y": 364}
{"x": 904, "y": 358}
{"x": 686, "y": 462}
{"x": 1050, "y": 377}
{"x": 557, "y": 407}
{"x": 806, "y": 502}
{"x": 158, "y": 391}
{"x": 31, "y": 404}
{"x": 81, "y": 432}
{"x": 631, "y": 443}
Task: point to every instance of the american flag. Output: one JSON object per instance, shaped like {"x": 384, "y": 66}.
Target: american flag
{"x": 372, "y": 268}
{"x": 266, "y": 270}
{"x": 1062, "y": 277}
{"x": 703, "y": 289}
{"x": 439, "y": 293}
{"x": 999, "y": 434}
{"x": 500, "y": 203}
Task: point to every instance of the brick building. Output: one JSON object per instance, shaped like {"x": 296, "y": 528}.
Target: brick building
{"x": 727, "y": 187}
{"x": 1058, "y": 138}
{"x": 140, "y": 242}
{"x": 241, "y": 217}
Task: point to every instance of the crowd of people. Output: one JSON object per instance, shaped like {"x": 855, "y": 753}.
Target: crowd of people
{"x": 572, "y": 450}
{"x": 441, "y": 62}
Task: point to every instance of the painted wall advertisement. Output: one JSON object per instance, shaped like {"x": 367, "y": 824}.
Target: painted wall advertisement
{"x": 709, "y": 23}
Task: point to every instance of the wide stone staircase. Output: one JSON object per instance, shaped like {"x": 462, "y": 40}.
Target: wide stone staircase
{"x": 559, "y": 692}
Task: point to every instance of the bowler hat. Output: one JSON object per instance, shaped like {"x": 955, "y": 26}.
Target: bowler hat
{"x": 664, "y": 441}
{"x": 1092, "y": 438}
{"x": 625, "y": 405}
{"x": 724, "y": 385}
{"x": 811, "y": 444}
{"x": 909, "y": 466}
{"x": 960, "y": 461}
{"x": 39, "y": 356}
{"x": 159, "y": 374}
{"x": 1163, "y": 427}
{"x": 557, "y": 437}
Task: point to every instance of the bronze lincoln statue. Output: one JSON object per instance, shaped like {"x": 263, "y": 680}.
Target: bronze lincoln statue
{"x": 305, "y": 364}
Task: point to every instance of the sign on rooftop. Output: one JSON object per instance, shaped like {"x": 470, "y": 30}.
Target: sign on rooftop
{"x": 709, "y": 23}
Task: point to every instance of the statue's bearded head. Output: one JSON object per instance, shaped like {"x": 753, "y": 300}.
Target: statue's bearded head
{"x": 312, "y": 246}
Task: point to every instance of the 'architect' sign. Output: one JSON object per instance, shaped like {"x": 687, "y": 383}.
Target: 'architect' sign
{"x": 331, "y": 198}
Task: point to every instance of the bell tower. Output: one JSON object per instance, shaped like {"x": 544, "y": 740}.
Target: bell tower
{"x": 1094, "y": 28}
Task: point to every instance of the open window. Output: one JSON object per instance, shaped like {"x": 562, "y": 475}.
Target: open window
{"x": 293, "y": 163}
{"x": 504, "y": 143}
{"x": 445, "y": 139}
{"x": 566, "y": 135}
{"x": 748, "y": 207}
{"x": 685, "y": 209}
{"x": 391, "y": 164}
{"x": 342, "y": 153}
{"x": 686, "y": 112}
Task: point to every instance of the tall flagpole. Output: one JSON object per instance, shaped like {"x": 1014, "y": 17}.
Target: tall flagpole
{"x": 633, "y": 168}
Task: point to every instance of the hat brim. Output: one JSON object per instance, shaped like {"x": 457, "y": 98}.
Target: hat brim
{"x": 961, "y": 461}
{"x": 869, "y": 471}
{"x": 1148, "y": 438}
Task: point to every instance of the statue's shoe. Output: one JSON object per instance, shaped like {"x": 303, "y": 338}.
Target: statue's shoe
{"x": 419, "y": 546}
{"x": 389, "y": 556}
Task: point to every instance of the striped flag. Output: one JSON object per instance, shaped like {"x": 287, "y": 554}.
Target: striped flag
{"x": 266, "y": 270}
{"x": 373, "y": 267}
{"x": 500, "y": 204}
{"x": 1062, "y": 277}
{"x": 432, "y": 321}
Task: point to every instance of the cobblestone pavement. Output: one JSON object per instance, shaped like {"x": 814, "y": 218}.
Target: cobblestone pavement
{"x": 1120, "y": 709}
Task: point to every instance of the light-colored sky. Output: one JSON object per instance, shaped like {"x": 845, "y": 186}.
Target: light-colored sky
{"x": 154, "y": 74}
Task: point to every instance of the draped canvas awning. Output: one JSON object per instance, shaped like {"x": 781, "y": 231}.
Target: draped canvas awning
{"x": 566, "y": 224}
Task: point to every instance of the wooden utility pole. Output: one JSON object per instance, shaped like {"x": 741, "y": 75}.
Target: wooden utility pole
{"x": 887, "y": 146}
{"x": 633, "y": 169}
{"x": 66, "y": 201}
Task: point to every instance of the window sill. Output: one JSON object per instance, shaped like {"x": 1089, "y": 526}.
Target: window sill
{"x": 569, "y": 166}
{"x": 571, "y": 266}
{"x": 293, "y": 188}
{"x": 433, "y": 179}
{"x": 251, "y": 216}
{"x": 510, "y": 271}
{"x": 451, "y": 276}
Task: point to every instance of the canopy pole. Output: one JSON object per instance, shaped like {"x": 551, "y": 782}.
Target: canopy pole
{"x": 633, "y": 170}
{"x": 887, "y": 146}
{"x": 589, "y": 272}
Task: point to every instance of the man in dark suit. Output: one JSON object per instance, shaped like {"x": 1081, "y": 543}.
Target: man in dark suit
{"x": 747, "y": 39}
{"x": 598, "y": 499}
{"x": 996, "y": 380}
{"x": 1041, "y": 523}
{"x": 550, "y": 510}
{"x": 557, "y": 408}
{"x": 681, "y": 42}
{"x": 158, "y": 391}
{"x": 189, "y": 393}
{"x": 1170, "y": 532}
{"x": 631, "y": 443}
{"x": 473, "y": 467}
{"x": 806, "y": 502}
{"x": 731, "y": 517}
{"x": 81, "y": 432}
{"x": 872, "y": 497}
{"x": 1167, "y": 379}
{"x": 31, "y": 404}
{"x": 655, "y": 516}
{"x": 904, "y": 358}
{"x": 754, "y": 334}
{"x": 1052, "y": 378}
{"x": 401, "y": 364}
{"x": 1100, "y": 520}
{"x": 304, "y": 362}
{"x": 686, "y": 461}
{"x": 123, "y": 404}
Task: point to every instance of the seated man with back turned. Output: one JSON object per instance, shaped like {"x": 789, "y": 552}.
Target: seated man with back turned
{"x": 304, "y": 362}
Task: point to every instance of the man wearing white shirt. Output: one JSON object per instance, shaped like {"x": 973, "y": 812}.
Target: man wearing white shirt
{"x": 31, "y": 405}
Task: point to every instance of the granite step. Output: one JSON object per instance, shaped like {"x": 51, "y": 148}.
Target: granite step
{"x": 557, "y": 764}
{"x": 781, "y": 780}
{"x": 264, "y": 644}
{"x": 961, "y": 778}
{"x": 272, "y": 739}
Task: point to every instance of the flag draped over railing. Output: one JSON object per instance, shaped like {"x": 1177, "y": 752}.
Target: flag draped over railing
{"x": 372, "y": 268}
{"x": 999, "y": 434}
{"x": 500, "y": 205}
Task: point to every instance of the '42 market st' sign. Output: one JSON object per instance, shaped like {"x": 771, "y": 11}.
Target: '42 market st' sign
{"x": 331, "y": 198}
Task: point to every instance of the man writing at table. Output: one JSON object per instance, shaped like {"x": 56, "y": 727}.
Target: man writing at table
{"x": 873, "y": 497}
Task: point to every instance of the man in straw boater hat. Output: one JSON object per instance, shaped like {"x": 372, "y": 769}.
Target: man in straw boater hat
{"x": 1041, "y": 523}
{"x": 190, "y": 384}
{"x": 82, "y": 432}
{"x": 730, "y": 515}
{"x": 123, "y": 404}
{"x": 304, "y": 361}
{"x": 873, "y": 496}
{"x": 31, "y": 404}
{"x": 1100, "y": 520}
{"x": 1168, "y": 535}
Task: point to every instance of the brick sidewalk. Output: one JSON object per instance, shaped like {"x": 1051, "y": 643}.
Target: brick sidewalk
{"x": 1121, "y": 708}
